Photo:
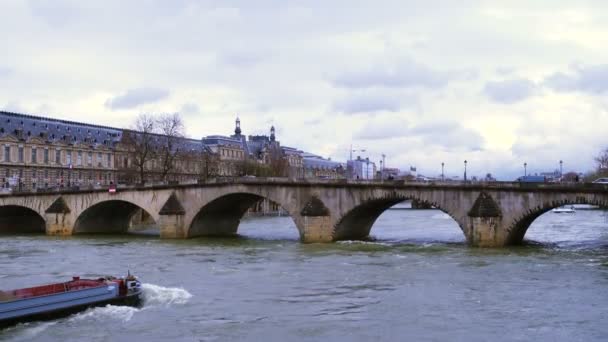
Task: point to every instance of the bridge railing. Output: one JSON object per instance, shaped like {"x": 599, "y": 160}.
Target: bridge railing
{"x": 308, "y": 181}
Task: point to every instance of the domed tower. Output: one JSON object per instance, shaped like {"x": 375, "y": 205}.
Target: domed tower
{"x": 237, "y": 129}
{"x": 272, "y": 136}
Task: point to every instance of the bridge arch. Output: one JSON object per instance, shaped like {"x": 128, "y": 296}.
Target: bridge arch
{"x": 357, "y": 223}
{"x": 20, "y": 219}
{"x": 222, "y": 215}
{"x": 109, "y": 216}
{"x": 520, "y": 226}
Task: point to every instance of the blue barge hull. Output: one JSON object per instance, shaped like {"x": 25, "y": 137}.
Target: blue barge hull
{"x": 60, "y": 304}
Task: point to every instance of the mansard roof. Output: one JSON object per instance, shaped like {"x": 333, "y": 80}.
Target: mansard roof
{"x": 27, "y": 126}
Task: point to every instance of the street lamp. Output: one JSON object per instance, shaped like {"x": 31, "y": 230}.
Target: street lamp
{"x": 367, "y": 168}
{"x": 525, "y": 169}
{"x": 560, "y": 170}
{"x": 442, "y": 177}
{"x": 465, "y": 171}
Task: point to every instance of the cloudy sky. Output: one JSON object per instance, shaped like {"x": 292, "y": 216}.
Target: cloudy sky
{"x": 497, "y": 83}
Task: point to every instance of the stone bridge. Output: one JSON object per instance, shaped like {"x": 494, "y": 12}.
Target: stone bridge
{"x": 489, "y": 215}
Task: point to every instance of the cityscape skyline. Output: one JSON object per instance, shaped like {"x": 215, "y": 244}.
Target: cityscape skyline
{"x": 507, "y": 85}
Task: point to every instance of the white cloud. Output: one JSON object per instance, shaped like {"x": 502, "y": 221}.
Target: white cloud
{"x": 509, "y": 91}
{"x": 591, "y": 79}
{"x": 133, "y": 98}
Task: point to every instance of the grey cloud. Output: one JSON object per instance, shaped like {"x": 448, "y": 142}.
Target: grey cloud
{"x": 587, "y": 79}
{"x": 5, "y": 72}
{"x": 190, "y": 109}
{"x": 504, "y": 70}
{"x": 55, "y": 13}
{"x": 383, "y": 130}
{"x": 135, "y": 97}
{"x": 407, "y": 74}
{"x": 509, "y": 91}
{"x": 449, "y": 135}
{"x": 240, "y": 59}
{"x": 366, "y": 103}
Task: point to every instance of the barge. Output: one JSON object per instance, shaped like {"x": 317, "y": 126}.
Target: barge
{"x": 61, "y": 299}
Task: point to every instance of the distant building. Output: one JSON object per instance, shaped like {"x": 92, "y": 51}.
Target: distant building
{"x": 390, "y": 173}
{"x": 318, "y": 167}
{"x": 361, "y": 168}
{"x": 553, "y": 176}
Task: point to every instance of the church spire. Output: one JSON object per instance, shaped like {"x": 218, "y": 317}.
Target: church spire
{"x": 237, "y": 129}
{"x": 272, "y": 136}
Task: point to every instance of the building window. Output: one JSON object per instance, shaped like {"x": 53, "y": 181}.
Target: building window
{"x": 20, "y": 154}
{"x": 46, "y": 173}
{"x": 90, "y": 158}
{"x": 99, "y": 158}
{"x": 58, "y": 157}
{"x": 46, "y": 155}
{"x": 109, "y": 160}
{"x": 79, "y": 160}
{"x": 34, "y": 155}
{"x": 7, "y": 153}
{"x": 34, "y": 173}
{"x": 68, "y": 157}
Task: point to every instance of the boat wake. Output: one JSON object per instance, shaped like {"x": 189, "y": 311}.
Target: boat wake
{"x": 122, "y": 313}
{"x": 158, "y": 295}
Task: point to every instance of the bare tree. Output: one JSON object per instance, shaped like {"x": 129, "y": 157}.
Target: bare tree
{"x": 139, "y": 143}
{"x": 208, "y": 164}
{"x": 279, "y": 165}
{"x": 171, "y": 128}
{"x": 602, "y": 161}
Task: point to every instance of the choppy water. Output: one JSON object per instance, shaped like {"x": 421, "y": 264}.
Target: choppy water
{"x": 417, "y": 281}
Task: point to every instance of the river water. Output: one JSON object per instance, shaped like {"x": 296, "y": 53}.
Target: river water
{"x": 417, "y": 281}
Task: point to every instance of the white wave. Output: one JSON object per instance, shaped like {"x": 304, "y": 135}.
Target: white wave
{"x": 158, "y": 295}
{"x": 30, "y": 330}
{"x": 361, "y": 242}
{"x": 123, "y": 313}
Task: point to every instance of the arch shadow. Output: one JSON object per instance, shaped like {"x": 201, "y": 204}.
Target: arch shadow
{"x": 16, "y": 219}
{"x": 358, "y": 222}
{"x": 111, "y": 217}
{"x": 519, "y": 229}
{"x": 222, "y": 216}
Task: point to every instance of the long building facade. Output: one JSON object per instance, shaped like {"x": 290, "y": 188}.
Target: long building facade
{"x": 42, "y": 154}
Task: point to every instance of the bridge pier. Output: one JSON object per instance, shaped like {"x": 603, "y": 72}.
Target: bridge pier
{"x": 487, "y": 232}
{"x": 58, "y": 224}
{"x": 58, "y": 218}
{"x": 316, "y": 229}
{"x": 314, "y": 222}
{"x": 171, "y": 221}
{"x": 484, "y": 224}
{"x": 172, "y": 227}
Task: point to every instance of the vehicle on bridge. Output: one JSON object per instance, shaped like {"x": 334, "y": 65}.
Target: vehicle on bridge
{"x": 61, "y": 299}
{"x": 601, "y": 181}
{"x": 532, "y": 179}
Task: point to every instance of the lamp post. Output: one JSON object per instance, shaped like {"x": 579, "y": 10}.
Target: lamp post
{"x": 442, "y": 176}
{"x": 560, "y": 170}
{"x": 366, "y": 167}
{"x": 465, "y": 171}
{"x": 525, "y": 169}
{"x": 381, "y": 171}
